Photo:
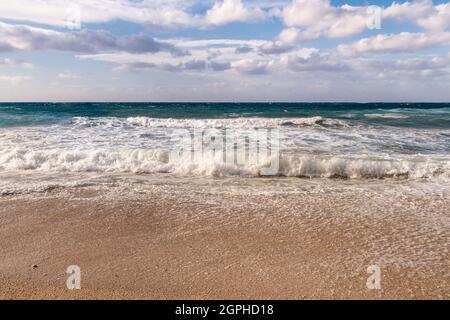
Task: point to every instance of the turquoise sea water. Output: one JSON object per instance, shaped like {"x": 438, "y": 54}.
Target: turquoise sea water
{"x": 320, "y": 140}
{"x": 419, "y": 115}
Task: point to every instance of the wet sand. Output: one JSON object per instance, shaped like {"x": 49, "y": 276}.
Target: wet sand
{"x": 225, "y": 240}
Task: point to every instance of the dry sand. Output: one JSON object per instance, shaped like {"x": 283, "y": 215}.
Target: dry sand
{"x": 219, "y": 239}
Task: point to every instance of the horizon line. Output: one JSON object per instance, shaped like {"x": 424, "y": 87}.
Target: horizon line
{"x": 233, "y": 102}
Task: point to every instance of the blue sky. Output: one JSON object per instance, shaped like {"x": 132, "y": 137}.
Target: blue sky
{"x": 224, "y": 50}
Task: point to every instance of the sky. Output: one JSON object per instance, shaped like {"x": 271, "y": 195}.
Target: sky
{"x": 225, "y": 50}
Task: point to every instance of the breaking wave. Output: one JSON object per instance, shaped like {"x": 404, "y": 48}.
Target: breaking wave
{"x": 160, "y": 161}
{"x": 209, "y": 123}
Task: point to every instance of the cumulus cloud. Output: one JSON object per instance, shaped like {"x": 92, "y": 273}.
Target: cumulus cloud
{"x": 314, "y": 60}
{"x": 439, "y": 19}
{"x": 294, "y": 35}
{"x": 411, "y": 11}
{"x": 274, "y": 58}
{"x": 228, "y": 57}
{"x": 395, "y": 43}
{"x": 167, "y": 13}
{"x": 413, "y": 64}
{"x": 421, "y": 12}
{"x": 275, "y": 47}
{"x": 314, "y": 64}
{"x": 253, "y": 66}
{"x": 406, "y": 70}
{"x": 311, "y": 19}
{"x": 228, "y": 11}
{"x": 58, "y": 12}
{"x": 21, "y": 37}
{"x": 317, "y": 18}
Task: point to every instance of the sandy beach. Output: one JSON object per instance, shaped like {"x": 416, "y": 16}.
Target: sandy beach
{"x": 225, "y": 239}
{"x": 225, "y": 150}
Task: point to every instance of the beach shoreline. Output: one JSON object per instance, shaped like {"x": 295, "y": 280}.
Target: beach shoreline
{"x": 221, "y": 239}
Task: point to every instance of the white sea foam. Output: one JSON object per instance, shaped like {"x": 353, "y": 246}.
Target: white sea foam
{"x": 386, "y": 116}
{"x": 209, "y": 123}
{"x": 310, "y": 147}
{"x": 160, "y": 161}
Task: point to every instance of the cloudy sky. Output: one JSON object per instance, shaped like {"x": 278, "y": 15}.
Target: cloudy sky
{"x": 224, "y": 50}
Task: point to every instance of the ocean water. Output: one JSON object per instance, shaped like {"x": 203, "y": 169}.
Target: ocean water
{"x": 331, "y": 141}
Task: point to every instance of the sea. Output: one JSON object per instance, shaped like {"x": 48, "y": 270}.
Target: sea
{"x": 327, "y": 141}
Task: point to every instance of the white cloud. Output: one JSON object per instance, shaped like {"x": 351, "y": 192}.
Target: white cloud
{"x": 312, "y": 19}
{"x": 413, "y": 64}
{"x": 312, "y": 60}
{"x": 409, "y": 10}
{"x": 57, "y": 12}
{"x": 282, "y": 60}
{"x": 225, "y": 56}
{"x": 253, "y": 66}
{"x": 294, "y": 35}
{"x": 438, "y": 20}
{"x": 167, "y": 13}
{"x": 305, "y": 19}
{"x": 203, "y": 55}
{"x": 318, "y": 18}
{"x": 421, "y": 12}
{"x": 21, "y": 37}
{"x": 395, "y": 43}
{"x": 228, "y": 11}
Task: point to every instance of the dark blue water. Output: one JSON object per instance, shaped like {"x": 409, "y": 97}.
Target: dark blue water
{"x": 413, "y": 115}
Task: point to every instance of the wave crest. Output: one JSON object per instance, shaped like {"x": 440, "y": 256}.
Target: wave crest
{"x": 160, "y": 161}
{"x": 209, "y": 123}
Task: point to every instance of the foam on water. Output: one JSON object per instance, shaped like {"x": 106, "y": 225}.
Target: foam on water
{"x": 387, "y": 116}
{"x": 396, "y": 142}
{"x": 160, "y": 161}
{"x": 208, "y": 123}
